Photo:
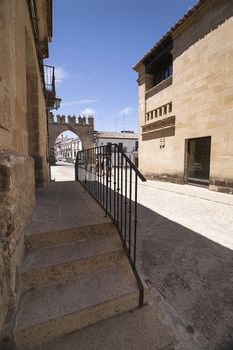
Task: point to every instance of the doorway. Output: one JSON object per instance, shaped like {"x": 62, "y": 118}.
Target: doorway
{"x": 198, "y": 160}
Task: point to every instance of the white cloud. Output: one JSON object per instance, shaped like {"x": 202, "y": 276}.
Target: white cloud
{"x": 88, "y": 111}
{"x": 60, "y": 74}
{"x": 96, "y": 73}
{"x": 125, "y": 111}
{"x": 78, "y": 102}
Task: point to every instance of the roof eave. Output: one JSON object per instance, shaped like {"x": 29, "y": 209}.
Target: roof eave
{"x": 170, "y": 33}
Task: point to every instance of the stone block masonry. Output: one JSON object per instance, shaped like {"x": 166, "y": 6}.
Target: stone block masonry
{"x": 84, "y": 129}
{"x": 201, "y": 93}
{"x": 16, "y": 204}
{"x": 23, "y": 135}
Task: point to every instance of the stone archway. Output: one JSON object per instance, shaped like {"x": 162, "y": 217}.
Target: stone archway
{"x": 84, "y": 129}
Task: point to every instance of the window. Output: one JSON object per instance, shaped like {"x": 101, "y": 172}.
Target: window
{"x": 162, "y": 69}
{"x": 161, "y": 64}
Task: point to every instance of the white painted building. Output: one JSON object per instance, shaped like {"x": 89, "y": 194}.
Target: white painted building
{"x": 129, "y": 141}
{"x": 67, "y": 148}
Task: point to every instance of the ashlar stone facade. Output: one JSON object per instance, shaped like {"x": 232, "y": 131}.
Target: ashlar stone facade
{"x": 185, "y": 96}
{"x": 25, "y": 30}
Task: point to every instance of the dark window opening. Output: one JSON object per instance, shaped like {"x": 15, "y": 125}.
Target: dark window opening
{"x": 199, "y": 159}
{"x": 161, "y": 66}
{"x": 162, "y": 69}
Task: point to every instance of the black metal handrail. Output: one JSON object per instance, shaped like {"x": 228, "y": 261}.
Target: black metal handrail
{"x": 108, "y": 174}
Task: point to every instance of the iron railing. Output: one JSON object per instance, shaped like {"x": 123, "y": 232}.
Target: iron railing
{"x": 112, "y": 179}
{"x": 49, "y": 78}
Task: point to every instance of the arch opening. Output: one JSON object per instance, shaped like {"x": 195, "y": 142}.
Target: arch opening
{"x": 65, "y": 149}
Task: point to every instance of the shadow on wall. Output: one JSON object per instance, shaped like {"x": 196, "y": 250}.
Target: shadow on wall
{"x": 193, "y": 274}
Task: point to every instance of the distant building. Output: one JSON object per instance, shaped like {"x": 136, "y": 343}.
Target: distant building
{"x": 186, "y": 100}
{"x": 128, "y": 139}
{"x": 67, "y": 148}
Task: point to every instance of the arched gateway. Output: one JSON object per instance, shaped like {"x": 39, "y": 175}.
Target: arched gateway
{"x": 83, "y": 129}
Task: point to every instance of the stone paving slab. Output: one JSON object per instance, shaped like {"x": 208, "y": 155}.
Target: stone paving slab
{"x": 205, "y": 212}
{"x": 185, "y": 255}
{"x": 137, "y": 330}
{"x": 38, "y": 258}
{"x": 64, "y": 205}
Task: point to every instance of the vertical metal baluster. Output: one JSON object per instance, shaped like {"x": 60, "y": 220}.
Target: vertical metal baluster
{"x": 90, "y": 172}
{"x": 114, "y": 183}
{"x": 110, "y": 178}
{"x": 96, "y": 195}
{"x": 118, "y": 184}
{"x": 126, "y": 202}
{"x": 83, "y": 171}
{"x": 92, "y": 179}
{"x": 99, "y": 175}
{"x": 121, "y": 193}
{"x": 135, "y": 218}
{"x": 130, "y": 207}
{"x": 106, "y": 180}
{"x": 85, "y": 164}
{"x": 103, "y": 178}
{"x": 86, "y": 168}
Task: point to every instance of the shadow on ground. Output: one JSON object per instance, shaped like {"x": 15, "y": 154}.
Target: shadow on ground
{"x": 190, "y": 279}
{"x": 189, "y": 276}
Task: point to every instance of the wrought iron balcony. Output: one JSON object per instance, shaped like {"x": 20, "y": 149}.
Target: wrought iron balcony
{"x": 49, "y": 81}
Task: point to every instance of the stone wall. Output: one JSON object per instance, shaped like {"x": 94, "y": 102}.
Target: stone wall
{"x": 201, "y": 96}
{"x": 16, "y": 204}
{"x": 83, "y": 127}
{"x": 22, "y": 141}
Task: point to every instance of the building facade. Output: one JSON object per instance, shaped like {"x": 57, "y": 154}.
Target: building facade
{"x": 25, "y": 31}
{"x": 185, "y": 96}
{"x": 129, "y": 141}
{"x": 67, "y": 148}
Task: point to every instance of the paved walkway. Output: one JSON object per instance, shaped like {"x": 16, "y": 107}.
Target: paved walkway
{"x": 199, "y": 209}
{"x": 65, "y": 205}
{"x": 186, "y": 257}
{"x": 62, "y": 171}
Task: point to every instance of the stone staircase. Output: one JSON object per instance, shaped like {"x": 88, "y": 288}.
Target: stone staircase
{"x": 72, "y": 278}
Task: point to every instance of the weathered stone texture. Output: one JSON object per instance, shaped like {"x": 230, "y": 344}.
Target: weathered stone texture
{"x": 22, "y": 102}
{"x": 83, "y": 129}
{"x": 19, "y": 74}
{"x": 16, "y": 205}
{"x": 201, "y": 95}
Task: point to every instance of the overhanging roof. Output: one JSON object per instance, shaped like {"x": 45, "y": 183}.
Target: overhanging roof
{"x": 168, "y": 34}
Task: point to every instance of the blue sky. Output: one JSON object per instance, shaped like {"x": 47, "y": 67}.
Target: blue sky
{"x": 95, "y": 45}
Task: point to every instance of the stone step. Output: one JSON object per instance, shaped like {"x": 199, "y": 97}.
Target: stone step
{"x": 47, "y": 313}
{"x": 46, "y": 265}
{"x": 50, "y": 238}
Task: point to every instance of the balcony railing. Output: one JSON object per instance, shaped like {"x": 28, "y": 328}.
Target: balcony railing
{"x": 112, "y": 179}
{"x": 49, "y": 81}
